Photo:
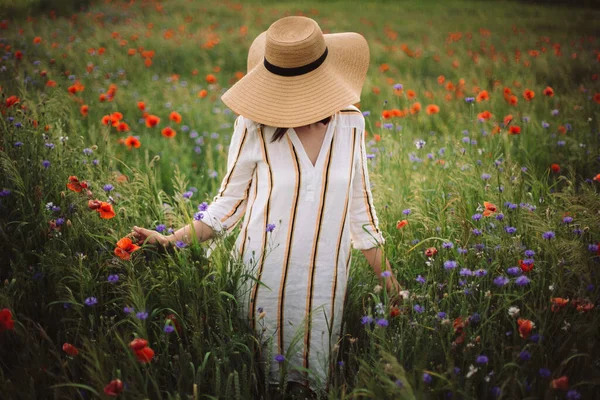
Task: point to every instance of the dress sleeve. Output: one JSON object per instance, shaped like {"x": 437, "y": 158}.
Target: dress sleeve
{"x": 364, "y": 225}
{"x": 228, "y": 206}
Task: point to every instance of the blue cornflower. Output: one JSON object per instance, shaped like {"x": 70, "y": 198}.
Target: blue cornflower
{"x": 382, "y": 322}
{"x": 522, "y": 280}
{"x": 87, "y": 151}
{"x": 59, "y": 221}
{"x": 514, "y": 271}
{"x": 510, "y": 230}
{"x": 280, "y": 358}
{"x": 420, "y": 279}
{"x": 593, "y": 247}
{"x": 398, "y": 86}
{"x": 465, "y": 272}
{"x": 525, "y": 355}
{"x": 450, "y": 264}
{"x": 407, "y": 211}
{"x": 188, "y": 194}
{"x": 366, "y": 113}
{"x": 529, "y": 253}
{"x": 367, "y": 319}
{"x": 480, "y": 272}
{"x": 485, "y": 177}
{"x": 482, "y": 359}
{"x": 462, "y": 250}
{"x": 108, "y": 187}
{"x": 91, "y": 301}
{"x": 548, "y": 235}
{"x": 113, "y": 278}
{"x": 441, "y": 315}
{"x": 46, "y": 164}
{"x": 168, "y": 328}
{"x": 270, "y": 227}
{"x": 386, "y": 274}
{"x": 567, "y": 220}
{"x": 427, "y": 378}
{"x": 476, "y": 232}
{"x": 479, "y": 246}
{"x": 18, "y": 144}
{"x": 501, "y": 281}
{"x": 545, "y": 373}
{"x": 203, "y": 206}
{"x": 573, "y": 395}
{"x": 469, "y": 99}
{"x": 545, "y": 125}
{"x": 447, "y": 245}
{"x": 128, "y": 310}
{"x": 160, "y": 228}
{"x": 180, "y": 244}
{"x": 142, "y": 315}
{"x": 198, "y": 216}
{"x": 418, "y": 308}
{"x": 476, "y": 217}
{"x": 4, "y": 192}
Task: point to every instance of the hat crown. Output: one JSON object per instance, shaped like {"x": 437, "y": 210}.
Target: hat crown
{"x": 294, "y": 42}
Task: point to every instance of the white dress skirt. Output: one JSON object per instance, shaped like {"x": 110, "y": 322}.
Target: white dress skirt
{"x": 299, "y": 223}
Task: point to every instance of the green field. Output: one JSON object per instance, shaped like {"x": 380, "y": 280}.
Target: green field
{"x": 503, "y": 181}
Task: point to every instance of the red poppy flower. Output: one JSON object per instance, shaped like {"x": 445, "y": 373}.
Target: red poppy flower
{"x": 210, "y": 78}
{"x": 528, "y": 94}
{"x": 203, "y": 93}
{"x": 132, "y": 141}
{"x": 482, "y": 96}
{"x": 490, "y": 208}
{"x": 138, "y": 344}
{"x": 175, "y": 117}
{"x": 175, "y": 322}
{"x": 401, "y": 224}
{"x": 114, "y": 388}
{"x": 75, "y": 185}
{"x": 558, "y": 303}
{"x": 430, "y": 252}
{"x": 525, "y": 267}
{"x": 168, "y": 132}
{"x": 6, "y": 321}
{"x": 548, "y": 91}
{"x": 432, "y": 109}
{"x": 561, "y": 383}
{"x": 514, "y": 130}
{"x": 123, "y": 127}
{"x": 143, "y": 353}
{"x": 415, "y": 108}
{"x": 555, "y": 168}
{"x": 84, "y": 110}
{"x": 106, "y": 210}
{"x": 525, "y": 327}
{"x": 152, "y": 121}
{"x": 11, "y": 101}
{"x": 485, "y": 115}
{"x": 94, "y": 204}
{"x": 507, "y": 120}
{"x": 394, "y": 312}
{"x": 70, "y": 349}
{"x": 124, "y": 249}
{"x": 597, "y": 98}
{"x": 141, "y": 105}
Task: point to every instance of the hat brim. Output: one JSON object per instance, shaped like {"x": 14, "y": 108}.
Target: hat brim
{"x": 286, "y": 102}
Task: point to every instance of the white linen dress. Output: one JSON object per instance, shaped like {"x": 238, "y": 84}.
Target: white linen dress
{"x": 319, "y": 211}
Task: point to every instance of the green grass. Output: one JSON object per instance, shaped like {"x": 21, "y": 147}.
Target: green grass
{"x": 48, "y": 274}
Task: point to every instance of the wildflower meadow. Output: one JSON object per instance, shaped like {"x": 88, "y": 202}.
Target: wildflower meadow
{"x": 483, "y": 142}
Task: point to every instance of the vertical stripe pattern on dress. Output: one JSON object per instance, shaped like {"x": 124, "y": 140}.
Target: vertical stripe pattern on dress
{"x": 368, "y": 200}
{"x": 248, "y": 218}
{"x": 264, "y": 228}
{"x": 237, "y": 205}
{"x": 288, "y": 247}
{"x": 339, "y": 242}
{"x": 313, "y": 261}
{"x": 228, "y": 177}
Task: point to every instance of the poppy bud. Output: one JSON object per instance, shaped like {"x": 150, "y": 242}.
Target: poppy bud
{"x": 62, "y": 194}
{"x": 69, "y": 223}
{"x": 89, "y": 193}
{"x": 70, "y": 349}
{"x": 94, "y": 147}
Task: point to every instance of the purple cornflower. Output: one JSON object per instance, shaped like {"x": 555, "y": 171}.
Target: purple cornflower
{"x": 450, "y": 264}
{"x": 113, "y": 278}
{"x": 469, "y": 99}
{"x": 386, "y": 274}
{"x": 548, "y": 235}
{"x": 168, "y": 328}
{"x": 142, "y": 315}
{"x": 203, "y": 206}
{"x": 514, "y": 271}
{"x": 593, "y": 247}
{"x": 398, "y": 86}
{"x": 441, "y": 315}
{"x": 367, "y": 319}
{"x": 46, "y": 164}
{"x": 87, "y": 151}
{"x": 545, "y": 125}
{"x": 280, "y": 358}
{"x": 476, "y": 232}
{"x": 4, "y": 192}
{"x": 573, "y": 395}
{"x": 382, "y": 322}
{"x": 59, "y": 221}
{"x": 496, "y": 391}
{"x": 447, "y": 245}
{"x": 524, "y": 355}
{"x": 545, "y": 373}
{"x": 567, "y": 220}
{"x": 554, "y": 112}
{"x": 465, "y": 272}
{"x": 180, "y": 244}
{"x": 480, "y": 272}
{"x": 427, "y": 378}
{"x": 485, "y": 177}
{"x": 476, "y": 217}
{"x": 529, "y": 253}
{"x": 482, "y": 359}
{"x": 160, "y": 228}
{"x": 510, "y": 230}
{"x": 188, "y": 194}
{"x": 108, "y": 187}
{"x": 270, "y": 227}
{"x": 128, "y": 310}
{"x": 462, "y": 250}
{"x": 418, "y": 309}
{"x": 407, "y": 211}
{"x": 366, "y": 113}
{"x": 522, "y": 280}
{"x": 501, "y": 281}
{"x": 198, "y": 216}
{"x": 91, "y": 301}
{"x": 420, "y": 279}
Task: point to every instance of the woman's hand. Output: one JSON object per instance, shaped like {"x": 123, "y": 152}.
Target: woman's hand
{"x": 393, "y": 289}
{"x": 144, "y": 235}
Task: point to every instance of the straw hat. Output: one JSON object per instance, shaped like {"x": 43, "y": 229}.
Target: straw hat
{"x": 298, "y": 76}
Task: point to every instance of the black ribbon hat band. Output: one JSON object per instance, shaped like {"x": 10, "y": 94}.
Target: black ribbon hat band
{"x": 305, "y": 69}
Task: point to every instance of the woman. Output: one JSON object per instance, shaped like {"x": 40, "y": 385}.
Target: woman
{"x": 302, "y": 190}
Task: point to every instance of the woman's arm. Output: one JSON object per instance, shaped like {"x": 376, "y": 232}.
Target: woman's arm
{"x": 374, "y": 258}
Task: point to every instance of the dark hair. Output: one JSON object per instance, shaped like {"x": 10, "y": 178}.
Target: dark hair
{"x": 279, "y": 132}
